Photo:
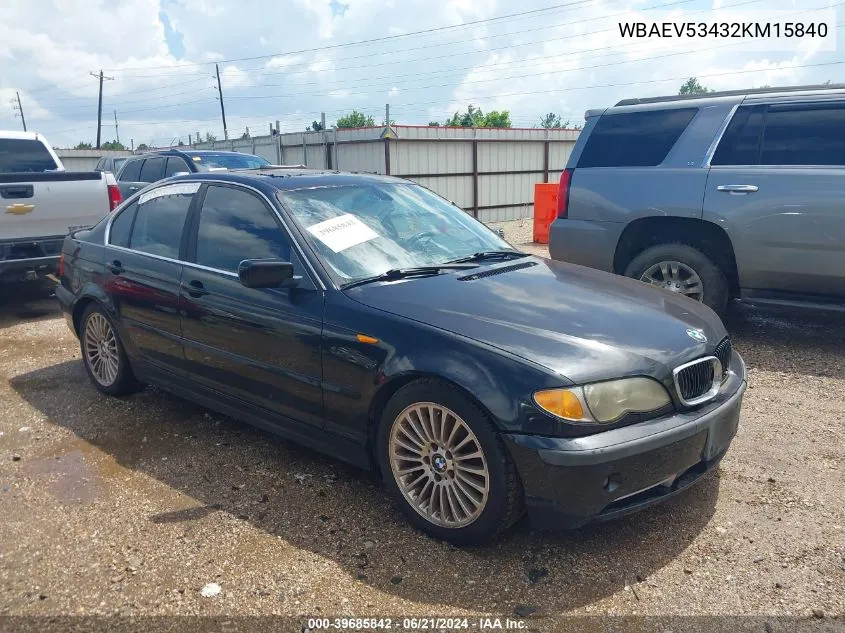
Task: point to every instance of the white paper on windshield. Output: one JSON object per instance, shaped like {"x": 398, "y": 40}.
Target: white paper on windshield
{"x": 342, "y": 232}
{"x": 184, "y": 188}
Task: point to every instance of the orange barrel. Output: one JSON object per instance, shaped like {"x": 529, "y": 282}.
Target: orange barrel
{"x": 545, "y": 209}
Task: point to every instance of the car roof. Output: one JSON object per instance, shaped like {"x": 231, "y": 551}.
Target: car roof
{"x": 771, "y": 92}
{"x": 189, "y": 152}
{"x": 291, "y": 178}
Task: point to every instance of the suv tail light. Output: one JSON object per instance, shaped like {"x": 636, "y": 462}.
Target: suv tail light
{"x": 114, "y": 197}
{"x": 60, "y": 269}
{"x": 563, "y": 194}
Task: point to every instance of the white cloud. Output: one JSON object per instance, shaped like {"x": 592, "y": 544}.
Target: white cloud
{"x": 565, "y": 60}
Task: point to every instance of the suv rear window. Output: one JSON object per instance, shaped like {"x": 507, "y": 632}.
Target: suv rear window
{"x": 24, "y": 155}
{"x": 635, "y": 139}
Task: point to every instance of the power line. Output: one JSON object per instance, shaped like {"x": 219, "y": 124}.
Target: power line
{"x": 383, "y": 38}
{"x": 446, "y": 72}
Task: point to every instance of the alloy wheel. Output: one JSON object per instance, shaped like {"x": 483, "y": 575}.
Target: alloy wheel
{"x": 675, "y": 277}
{"x": 101, "y": 351}
{"x": 439, "y": 465}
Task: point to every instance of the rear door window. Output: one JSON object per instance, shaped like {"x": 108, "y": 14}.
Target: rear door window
{"x": 24, "y": 155}
{"x": 740, "y": 144}
{"x": 812, "y": 134}
{"x": 635, "y": 139}
{"x": 131, "y": 171}
{"x": 152, "y": 170}
{"x": 160, "y": 219}
{"x": 121, "y": 226}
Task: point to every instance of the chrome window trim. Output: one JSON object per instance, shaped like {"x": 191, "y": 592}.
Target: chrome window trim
{"x": 718, "y": 139}
{"x": 714, "y": 387}
{"x": 315, "y": 278}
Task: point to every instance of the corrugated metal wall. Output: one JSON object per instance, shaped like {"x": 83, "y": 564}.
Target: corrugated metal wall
{"x": 490, "y": 172}
{"x": 85, "y": 159}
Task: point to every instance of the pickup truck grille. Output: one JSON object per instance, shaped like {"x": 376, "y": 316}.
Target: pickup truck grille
{"x": 698, "y": 381}
{"x": 724, "y": 351}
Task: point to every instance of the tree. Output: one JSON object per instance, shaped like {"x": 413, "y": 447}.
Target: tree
{"x": 692, "y": 87}
{"x": 143, "y": 146}
{"x": 355, "y": 119}
{"x": 315, "y": 126}
{"x": 180, "y": 143}
{"x": 112, "y": 145}
{"x": 474, "y": 117}
{"x": 433, "y": 124}
{"x": 497, "y": 119}
{"x": 83, "y": 145}
{"x": 551, "y": 120}
{"x": 209, "y": 137}
{"x": 245, "y": 135}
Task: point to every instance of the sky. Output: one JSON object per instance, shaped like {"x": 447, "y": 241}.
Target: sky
{"x": 290, "y": 60}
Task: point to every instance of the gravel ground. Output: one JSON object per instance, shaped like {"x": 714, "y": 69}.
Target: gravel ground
{"x": 134, "y": 506}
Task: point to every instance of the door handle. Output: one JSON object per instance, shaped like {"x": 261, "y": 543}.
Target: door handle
{"x": 134, "y": 188}
{"x": 737, "y": 188}
{"x": 195, "y": 288}
{"x": 115, "y": 267}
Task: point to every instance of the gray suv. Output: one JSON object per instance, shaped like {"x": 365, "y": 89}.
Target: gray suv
{"x": 717, "y": 196}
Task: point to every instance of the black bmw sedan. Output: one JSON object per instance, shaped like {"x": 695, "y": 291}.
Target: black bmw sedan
{"x": 370, "y": 319}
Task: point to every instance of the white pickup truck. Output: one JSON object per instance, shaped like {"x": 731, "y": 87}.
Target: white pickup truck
{"x": 42, "y": 203}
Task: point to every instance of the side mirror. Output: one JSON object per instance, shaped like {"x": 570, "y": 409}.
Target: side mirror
{"x": 267, "y": 273}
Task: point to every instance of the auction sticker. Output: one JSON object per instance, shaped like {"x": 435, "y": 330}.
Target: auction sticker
{"x": 342, "y": 232}
{"x": 177, "y": 188}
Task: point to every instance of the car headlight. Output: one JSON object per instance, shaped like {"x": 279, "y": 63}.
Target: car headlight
{"x": 604, "y": 402}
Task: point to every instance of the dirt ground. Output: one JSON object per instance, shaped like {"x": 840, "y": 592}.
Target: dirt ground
{"x": 133, "y": 506}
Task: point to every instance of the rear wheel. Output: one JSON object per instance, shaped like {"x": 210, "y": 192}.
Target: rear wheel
{"x": 682, "y": 269}
{"x": 445, "y": 466}
{"x": 103, "y": 354}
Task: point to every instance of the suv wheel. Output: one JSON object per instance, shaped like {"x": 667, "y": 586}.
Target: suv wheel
{"x": 445, "y": 466}
{"x": 682, "y": 269}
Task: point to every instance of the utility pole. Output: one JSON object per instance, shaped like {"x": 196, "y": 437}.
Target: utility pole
{"x": 116, "y": 133}
{"x": 19, "y": 108}
{"x": 222, "y": 109}
{"x": 387, "y": 115}
{"x": 100, "y": 103}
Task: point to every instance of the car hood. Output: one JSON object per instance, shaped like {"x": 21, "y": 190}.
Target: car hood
{"x": 580, "y": 323}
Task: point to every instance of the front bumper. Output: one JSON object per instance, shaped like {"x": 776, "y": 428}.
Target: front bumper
{"x": 573, "y": 481}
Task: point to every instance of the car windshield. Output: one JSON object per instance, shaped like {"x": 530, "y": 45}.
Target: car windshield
{"x": 117, "y": 163}
{"x": 364, "y": 230}
{"x": 232, "y": 160}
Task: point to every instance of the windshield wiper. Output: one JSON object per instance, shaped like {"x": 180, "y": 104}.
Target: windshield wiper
{"x": 401, "y": 273}
{"x": 477, "y": 257}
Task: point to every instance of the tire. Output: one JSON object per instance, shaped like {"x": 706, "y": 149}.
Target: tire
{"x": 106, "y": 364}
{"x": 468, "y": 515}
{"x": 715, "y": 285}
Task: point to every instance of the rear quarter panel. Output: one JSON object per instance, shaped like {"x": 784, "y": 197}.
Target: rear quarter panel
{"x": 83, "y": 270}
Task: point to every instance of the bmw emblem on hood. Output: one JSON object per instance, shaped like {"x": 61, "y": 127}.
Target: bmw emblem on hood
{"x": 696, "y": 335}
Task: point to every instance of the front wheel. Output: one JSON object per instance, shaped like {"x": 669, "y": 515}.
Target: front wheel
{"x": 447, "y": 469}
{"x": 682, "y": 269}
{"x": 103, "y": 354}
